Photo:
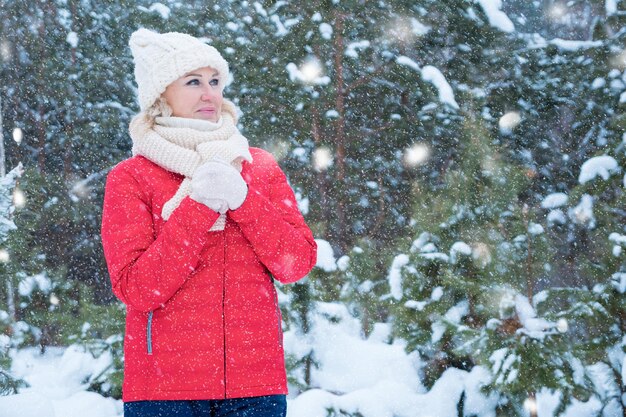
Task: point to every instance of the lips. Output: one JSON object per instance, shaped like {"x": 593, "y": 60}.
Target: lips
{"x": 207, "y": 110}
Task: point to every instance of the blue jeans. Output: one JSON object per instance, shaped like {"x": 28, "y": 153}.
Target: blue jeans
{"x": 266, "y": 406}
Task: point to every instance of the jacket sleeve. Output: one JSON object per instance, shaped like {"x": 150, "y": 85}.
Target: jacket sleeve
{"x": 147, "y": 270}
{"x": 276, "y": 229}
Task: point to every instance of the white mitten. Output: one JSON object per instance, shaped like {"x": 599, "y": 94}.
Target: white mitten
{"x": 219, "y": 186}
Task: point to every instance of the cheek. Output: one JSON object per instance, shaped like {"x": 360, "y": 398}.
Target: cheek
{"x": 182, "y": 103}
{"x": 219, "y": 99}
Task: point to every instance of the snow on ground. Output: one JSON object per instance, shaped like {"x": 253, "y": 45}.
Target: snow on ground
{"x": 373, "y": 377}
{"x": 57, "y": 385}
{"x": 354, "y": 374}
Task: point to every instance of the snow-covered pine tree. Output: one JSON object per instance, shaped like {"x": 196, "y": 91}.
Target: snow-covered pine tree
{"x": 596, "y": 220}
{"x": 574, "y": 88}
{"x": 467, "y": 293}
{"x": 8, "y": 325}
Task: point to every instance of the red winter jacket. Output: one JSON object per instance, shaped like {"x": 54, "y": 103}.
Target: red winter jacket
{"x": 202, "y": 318}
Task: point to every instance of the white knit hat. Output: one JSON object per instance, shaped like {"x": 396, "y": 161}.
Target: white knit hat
{"x": 161, "y": 58}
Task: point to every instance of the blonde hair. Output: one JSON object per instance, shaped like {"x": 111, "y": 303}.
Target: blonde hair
{"x": 159, "y": 108}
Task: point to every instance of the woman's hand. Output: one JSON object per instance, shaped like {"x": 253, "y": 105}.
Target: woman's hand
{"x": 219, "y": 186}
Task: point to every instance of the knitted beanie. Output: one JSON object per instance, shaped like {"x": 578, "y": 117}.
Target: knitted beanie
{"x": 161, "y": 58}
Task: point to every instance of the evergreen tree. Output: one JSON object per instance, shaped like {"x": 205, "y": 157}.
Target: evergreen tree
{"x": 468, "y": 292}
{"x": 8, "y": 325}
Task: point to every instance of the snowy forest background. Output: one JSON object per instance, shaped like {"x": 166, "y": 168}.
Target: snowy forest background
{"x": 461, "y": 163}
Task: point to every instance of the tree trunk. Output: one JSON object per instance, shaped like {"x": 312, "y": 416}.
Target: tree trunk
{"x": 3, "y": 169}
{"x": 340, "y": 145}
{"x": 530, "y": 282}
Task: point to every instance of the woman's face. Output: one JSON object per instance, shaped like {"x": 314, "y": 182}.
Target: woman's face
{"x": 196, "y": 95}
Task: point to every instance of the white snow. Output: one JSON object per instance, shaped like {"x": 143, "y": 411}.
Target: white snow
{"x": 601, "y": 166}
{"x": 618, "y": 280}
{"x": 303, "y": 203}
{"x": 537, "y": 41}
{"x": 332, "y": 114}
{"x": 534, "y": 327}
{"x": 405, "y": 60}
{"x": 416, "y": 305}
{"x": 453, "y": 315}
{"x": 497, "y": 18}
{"x": 28, "y": 284}
{"x": 258, "y": 7}
{"x": 502, "y": 360}
{"x": 462, "y": 248}
{"x": 611, "y": 7}
{"x": 556, "y": 216}
{"x": 562, "y": 325}
{"x": 459, "y": 248}
{"x": 535, "y": 228}
{"x": 436, "y": 78}
{"x": 353, "y": 374}
{"x": 394, "y": 277}
{"x": 436, "y": 294}
{"x": 374, "y": 378}
{"x": 161, "y": 9}
{"x": 325, "y": 256}
{"x": 548, "y": 401}
{"x": 295, "y": 74}
{"x": 281, "y": 30}
{"x": 571, "y": 45}
{"x": 351, "y": 49}
{"x": 347, "y": 361}
{"x": 326, "y": 30}
{"x": 617, "y": 238}
{"x": 583, "y": 213}
{"x": 436, "y": 256}
{"x": 343, "y": 263}
{"x": 554, "y": 200}
{"x": 58, "y": 380}
{"x": 509, "y": 121}
{"x": 418, "y": 28}
{"x": 598, "y": 83}
{"x": 617, "y": 250}
{"x": 72, "y": 39}
{"x": 420, "y": 242}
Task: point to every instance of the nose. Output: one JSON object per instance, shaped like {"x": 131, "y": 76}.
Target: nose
{"x": 207, "y": 93}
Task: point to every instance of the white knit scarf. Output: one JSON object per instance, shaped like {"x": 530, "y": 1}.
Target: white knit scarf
{"x": 181, "y": 145}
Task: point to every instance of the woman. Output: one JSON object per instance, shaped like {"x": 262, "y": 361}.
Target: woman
{"x": 195, "y": 227}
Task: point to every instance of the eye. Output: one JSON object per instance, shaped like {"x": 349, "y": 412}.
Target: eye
{"x": 214, "y": 82}
{"x": 194, "y": 81}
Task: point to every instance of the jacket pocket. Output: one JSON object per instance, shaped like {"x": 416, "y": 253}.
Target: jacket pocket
{"x": 149, "y": 333}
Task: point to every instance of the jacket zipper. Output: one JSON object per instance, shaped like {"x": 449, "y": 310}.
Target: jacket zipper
{"x": 278, "y": 317}
{"x": 224, "y": 306}
{"x": 149, "y": 333}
